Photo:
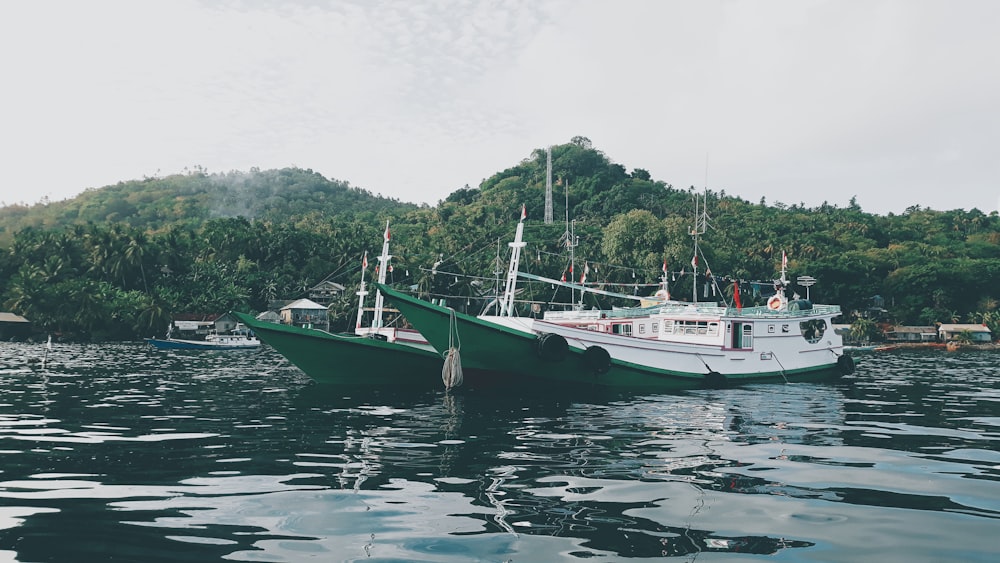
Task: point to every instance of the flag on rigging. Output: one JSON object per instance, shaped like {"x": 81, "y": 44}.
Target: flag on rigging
{"x": 386, "y": 236}
{"x": 784, "y": 260}
{"x": 364, "y": 261}
{"x": 736, "y": 295}
{"x": 524, "y": 212}
{"x": 586, "y": 270}
{"x": 694, "y": 261}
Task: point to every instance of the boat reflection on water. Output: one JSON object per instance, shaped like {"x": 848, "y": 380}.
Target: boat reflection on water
{"x": 618, "y": 477}
{"x": 198, "y": 457}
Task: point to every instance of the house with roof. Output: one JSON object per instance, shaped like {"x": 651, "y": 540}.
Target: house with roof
{"x": 325, "y": 292}
{"x": 901, "y": 333}
{"x": 977, "y": 332}
{"x": 13, "y": 326}
{"x": 305, "y": 313}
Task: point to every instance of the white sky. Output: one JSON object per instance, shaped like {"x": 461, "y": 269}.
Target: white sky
{"x": 895, "y": 102}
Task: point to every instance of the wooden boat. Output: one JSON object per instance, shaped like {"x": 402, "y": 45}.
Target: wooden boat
{"x": 239, "y": 339}
{"x": 349, "y": 359}
{"x": 372, "y": 355}
{"x": 676, "y": 345}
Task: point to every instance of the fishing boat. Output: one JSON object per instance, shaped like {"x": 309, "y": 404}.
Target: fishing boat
{"x": 349, "y": 359}
{"x": 671, "y": 346}
{"x": 240, "y": 338}
{"x": 376, "y": 354}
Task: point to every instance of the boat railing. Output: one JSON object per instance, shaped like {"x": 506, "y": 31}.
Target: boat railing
{"x": 765, "y": 312}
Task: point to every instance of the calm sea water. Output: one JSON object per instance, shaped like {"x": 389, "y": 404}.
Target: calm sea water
{"x": 123, "y": 453}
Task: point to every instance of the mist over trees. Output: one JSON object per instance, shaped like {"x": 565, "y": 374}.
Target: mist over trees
{"x": 115, "y": 263}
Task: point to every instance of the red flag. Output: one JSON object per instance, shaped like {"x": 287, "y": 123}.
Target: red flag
{"x": 387, "y": 236}
{"x": 694, "y": 261}
{"x": 736, "y": 295}
{"x": 784, "y": 260}
{"x": 563, "y": 276}
{"x": 586, "y": 270}
{"x": 364, "y": 261}
{"x": 524, "y": 212}
{"x": 664, "y": 267}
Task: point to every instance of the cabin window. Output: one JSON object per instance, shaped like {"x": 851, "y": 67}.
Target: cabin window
{"x": 642, "y": 329}
{"x": 813, "y": 330}
{"x": 694, "y": 328}
{"x": 656, "y": 327}
{"x": 770, "y": 329}
{"x": 622, "y": 328}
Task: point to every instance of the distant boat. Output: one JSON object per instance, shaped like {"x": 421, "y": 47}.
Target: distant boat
{"x": 240, "y": 338}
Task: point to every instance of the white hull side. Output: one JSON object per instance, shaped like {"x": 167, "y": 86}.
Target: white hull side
{"x": 781, "y": 353}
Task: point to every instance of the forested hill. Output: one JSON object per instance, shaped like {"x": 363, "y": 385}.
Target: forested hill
{"x": 193, "y": 198}
{"x": 117, "y": 261}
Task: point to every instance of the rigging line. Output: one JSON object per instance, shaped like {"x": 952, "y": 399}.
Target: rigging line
{"x": 775, "y": 356}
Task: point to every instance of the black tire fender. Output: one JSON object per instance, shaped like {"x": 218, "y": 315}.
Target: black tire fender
{"x": 845, "y": 364}
{"x": 597, "y": 359}
{"x": 551, "y": 347}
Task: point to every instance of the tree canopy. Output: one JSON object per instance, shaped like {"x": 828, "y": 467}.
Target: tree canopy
{"x": 116, "y": 262}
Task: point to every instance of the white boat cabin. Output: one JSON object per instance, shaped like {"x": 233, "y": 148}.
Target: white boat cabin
{"x": 705, "y": 324}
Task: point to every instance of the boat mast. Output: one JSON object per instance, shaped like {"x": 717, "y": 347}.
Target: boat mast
{"x": 361, "y": 291}
{"x": 700, "y": 226}
{"x": 507, "y": 300}
{"x": 571, "y": 243}
{"x": 383, "y": 266}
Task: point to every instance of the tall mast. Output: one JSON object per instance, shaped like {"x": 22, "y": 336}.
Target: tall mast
{"x": 361, "y": 291}
{"x": 700, "y": 226}
{"x": 571, "y": 244}
{"x": 383, "y": 266}
{"x": 548, "y": 186}
{"x": 507, "y": 300}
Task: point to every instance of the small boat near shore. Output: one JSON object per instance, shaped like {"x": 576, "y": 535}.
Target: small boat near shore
{"x": 240, "y": 338}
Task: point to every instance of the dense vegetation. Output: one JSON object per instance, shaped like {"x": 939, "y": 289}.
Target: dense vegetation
{"x": 116, "y": 262}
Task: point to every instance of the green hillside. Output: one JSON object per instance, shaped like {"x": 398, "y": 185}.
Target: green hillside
{"x": 115, "y": 262}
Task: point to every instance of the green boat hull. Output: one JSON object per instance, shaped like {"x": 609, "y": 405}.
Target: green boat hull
{"x": 506, "y": 353}
{"x": 348, "y": 359}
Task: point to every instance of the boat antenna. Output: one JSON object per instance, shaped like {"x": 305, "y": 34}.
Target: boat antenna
{"x": 383, "y": 267}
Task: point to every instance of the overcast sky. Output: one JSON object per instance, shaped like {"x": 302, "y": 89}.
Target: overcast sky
{"x": 894, "y": 102}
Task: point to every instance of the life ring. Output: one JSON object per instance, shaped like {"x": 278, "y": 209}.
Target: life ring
{"x": 597, "y": 359}
{"x": 774, "y": 303}
{"x": 551, "y": 347}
